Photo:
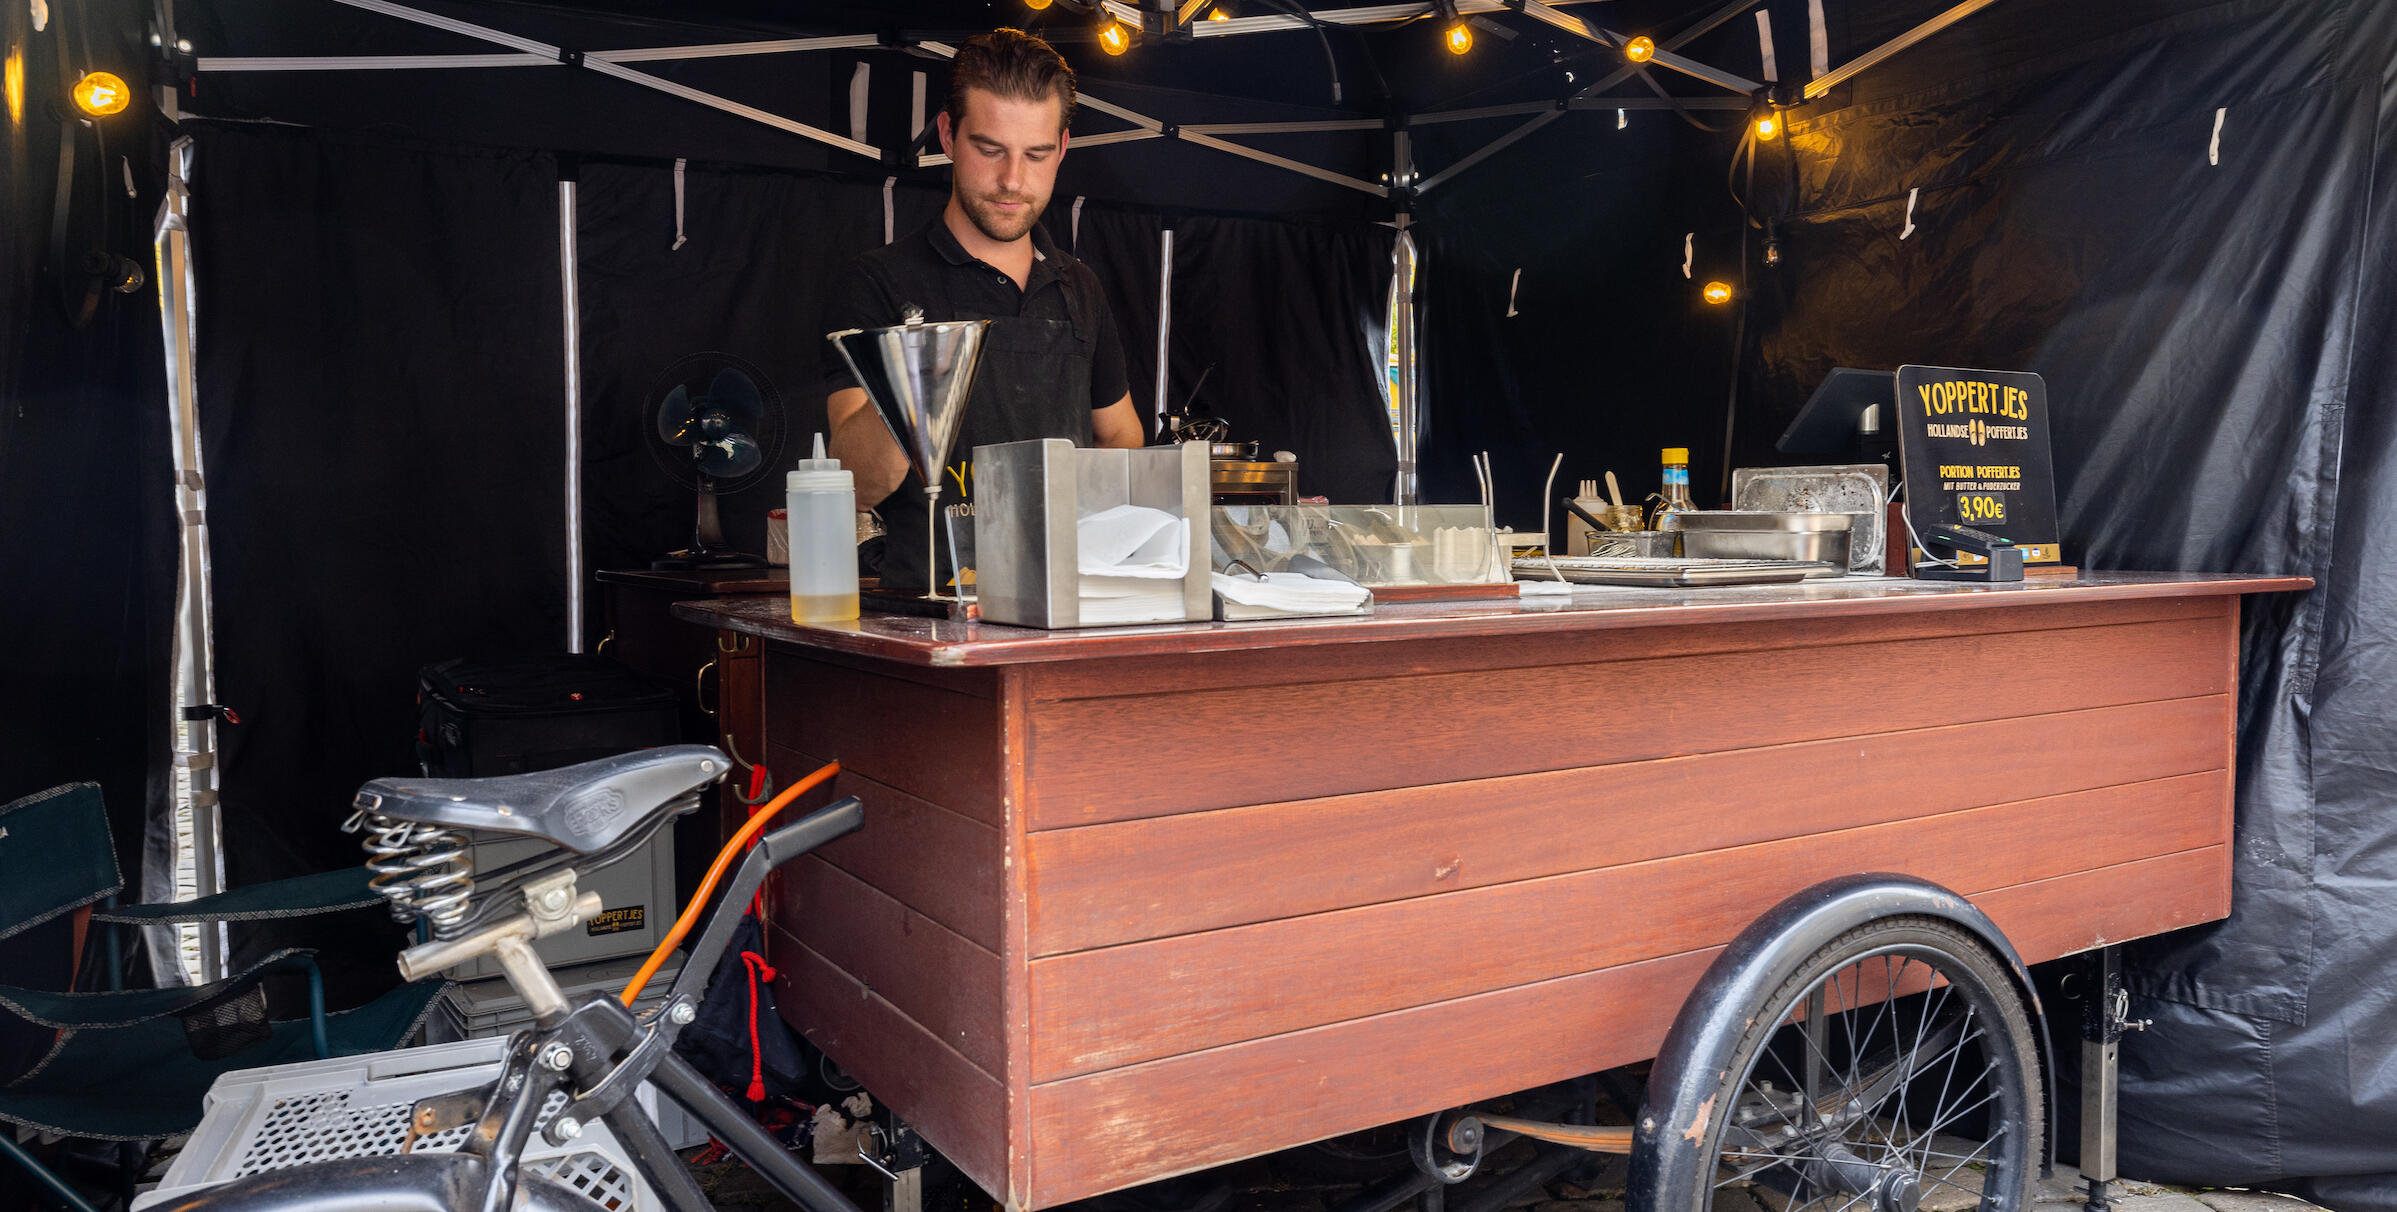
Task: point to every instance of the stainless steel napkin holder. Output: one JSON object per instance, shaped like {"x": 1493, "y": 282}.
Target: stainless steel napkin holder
{"x": 1029, "y": 498}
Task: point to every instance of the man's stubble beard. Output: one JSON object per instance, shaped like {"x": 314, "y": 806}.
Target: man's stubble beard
{"x": 991, "y": 223}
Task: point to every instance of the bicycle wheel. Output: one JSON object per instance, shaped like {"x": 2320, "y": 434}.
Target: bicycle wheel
{"x": 1894, "y": 1070}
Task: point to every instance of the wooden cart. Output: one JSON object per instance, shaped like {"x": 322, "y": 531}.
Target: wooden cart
{"x": 1134, "y": 902}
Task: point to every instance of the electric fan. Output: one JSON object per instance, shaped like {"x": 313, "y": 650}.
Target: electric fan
{"x": 716, "y": 427}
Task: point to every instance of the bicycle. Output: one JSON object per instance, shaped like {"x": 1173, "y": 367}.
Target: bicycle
{"x": 596, "y": 1054}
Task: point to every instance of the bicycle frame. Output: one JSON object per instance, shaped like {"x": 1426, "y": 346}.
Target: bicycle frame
{"x": 597, "y": 1054}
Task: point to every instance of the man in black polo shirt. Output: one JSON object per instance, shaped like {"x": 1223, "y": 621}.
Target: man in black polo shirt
{"x": 1052, "y": 365}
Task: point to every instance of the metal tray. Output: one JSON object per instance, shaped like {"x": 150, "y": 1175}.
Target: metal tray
{"x": 1671, "y": 574}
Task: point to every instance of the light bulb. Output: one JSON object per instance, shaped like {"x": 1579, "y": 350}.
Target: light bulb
{"x": 1036, "y": 5}
{"x": 1640, "y": 49}
{"x": 1219, "y": 13}
{"x": 1768, "y": 128}
{"x": 1460, "y": 38}
{"x": 1113, "y": 39}
{"x": 102, "y": 93}
{"x": 1718, "y": 292}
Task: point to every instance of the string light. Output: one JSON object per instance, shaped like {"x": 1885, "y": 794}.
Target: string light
{"x": 1768, "y": 127}
{"x": 1113, "y": 39}
{"x": 1640, "y": 49}
{"x": 102, "y": 93}
{"x": 1036, "y": 5}
{"x": 1221, "y": 12}
{"x": 1718, "y": 293}
{"x": 1460, "y": 38}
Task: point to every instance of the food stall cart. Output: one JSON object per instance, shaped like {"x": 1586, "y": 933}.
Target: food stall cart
{"x": 1138, "y": 901}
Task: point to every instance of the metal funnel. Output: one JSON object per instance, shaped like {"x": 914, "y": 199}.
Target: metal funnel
{"x": 919, "y": 376}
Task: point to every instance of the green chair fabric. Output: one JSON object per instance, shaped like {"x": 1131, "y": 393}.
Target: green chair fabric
{"x": 55, "y": 856}
{"x": 140, "y": 1082}
{"x": 299, "y": 896}
{"x": 120, "y": 1065}
{"x": 126, "y": 1008}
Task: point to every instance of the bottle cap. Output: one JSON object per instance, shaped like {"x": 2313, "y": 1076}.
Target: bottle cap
{"x": 820, "y": 474}
{"x": 1677, "y": 454}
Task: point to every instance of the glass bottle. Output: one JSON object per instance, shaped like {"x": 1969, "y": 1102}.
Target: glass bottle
{"x": 1676, "y": 495}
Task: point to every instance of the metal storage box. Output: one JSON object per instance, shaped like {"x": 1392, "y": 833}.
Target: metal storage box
{"x": 1028, "y": 499}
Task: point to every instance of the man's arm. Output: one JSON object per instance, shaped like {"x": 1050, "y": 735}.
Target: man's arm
{"x": 1119, "y": 425}
{"x": 863, "y": 444}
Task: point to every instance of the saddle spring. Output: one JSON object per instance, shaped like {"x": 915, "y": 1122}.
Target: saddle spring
{"x": 425, "y": 871}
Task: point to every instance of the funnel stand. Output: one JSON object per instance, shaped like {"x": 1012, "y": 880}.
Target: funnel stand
{"x": 932, "y": 546}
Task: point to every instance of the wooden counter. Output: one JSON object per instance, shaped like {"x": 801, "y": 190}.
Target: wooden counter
{"x": 1135, "y": 901}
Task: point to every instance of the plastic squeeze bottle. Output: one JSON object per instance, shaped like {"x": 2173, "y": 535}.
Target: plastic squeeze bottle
{"x": 821, "y": 511}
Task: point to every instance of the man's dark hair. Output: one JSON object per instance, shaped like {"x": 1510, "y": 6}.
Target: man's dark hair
{"x": 1013, "y": 64}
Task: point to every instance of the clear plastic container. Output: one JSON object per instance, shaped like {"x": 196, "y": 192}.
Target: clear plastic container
{"x": 821, "y": 508}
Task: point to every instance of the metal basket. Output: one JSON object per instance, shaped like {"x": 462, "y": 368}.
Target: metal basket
{"x": 259, "y": 1120}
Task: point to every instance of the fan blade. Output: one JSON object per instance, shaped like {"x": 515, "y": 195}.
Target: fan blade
{"x": 675, "y": 422}
{"x": 735, "y": 393}
{"x": 730, "y": 457}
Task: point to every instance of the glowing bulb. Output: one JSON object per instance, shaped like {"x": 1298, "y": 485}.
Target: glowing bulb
{"x": 102, "y": 93}
{"x": 1219, "y": 13}
{"x": 1640, "y": 49}
{"x": 1113, "y": 39}
{"x": 1036, "y": 5}
{"x": 1460, "y": 38}
{"x": 1718, "y": 292}
{"x": 14, "y": 85}
{"x": 1768, "y": 128}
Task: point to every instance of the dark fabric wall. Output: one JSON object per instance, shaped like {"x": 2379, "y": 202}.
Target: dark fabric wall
{"x": 380, "y": 382}
{"x": 87, "y": 588}
{"x": 1277, "y": 326}
{"x": 2216, "y": 341}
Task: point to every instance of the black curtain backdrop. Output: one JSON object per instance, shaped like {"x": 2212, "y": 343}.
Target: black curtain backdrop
{"x": 2216, "y": 340}
{"x": 382, "y": 422}
{"x": 1279, "y": 328}
{"x": 87, "y": 527}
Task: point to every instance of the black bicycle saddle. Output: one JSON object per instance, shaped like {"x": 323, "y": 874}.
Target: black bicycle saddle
{"x": 581, "y": 807}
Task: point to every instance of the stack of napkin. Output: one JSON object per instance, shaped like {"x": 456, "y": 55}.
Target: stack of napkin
{"x": 1132, "y": 560}
{"x": 1286, "y": 593}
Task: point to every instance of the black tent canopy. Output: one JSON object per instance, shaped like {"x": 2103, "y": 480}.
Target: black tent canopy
{"x": 2175, "y": 211}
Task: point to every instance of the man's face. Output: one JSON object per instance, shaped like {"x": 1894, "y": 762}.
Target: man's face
{"x": 1005, "y": 153}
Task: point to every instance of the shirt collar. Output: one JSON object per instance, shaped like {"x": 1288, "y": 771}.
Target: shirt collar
{"x": 945, "y": 242}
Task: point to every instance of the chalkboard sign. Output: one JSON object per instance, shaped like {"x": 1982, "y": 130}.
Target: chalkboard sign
{"x": 1974, "y": 448}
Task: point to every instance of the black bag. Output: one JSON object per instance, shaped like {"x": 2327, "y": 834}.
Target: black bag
{"x": 484, "y": 717}
{"x": 739, "y": 1040}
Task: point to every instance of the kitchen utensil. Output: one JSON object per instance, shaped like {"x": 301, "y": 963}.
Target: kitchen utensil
{"x": 1860, "y": 490}
{"x": 919, "y": 376}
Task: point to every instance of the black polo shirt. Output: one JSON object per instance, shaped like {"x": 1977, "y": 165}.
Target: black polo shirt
{"x": 929, "y": 265}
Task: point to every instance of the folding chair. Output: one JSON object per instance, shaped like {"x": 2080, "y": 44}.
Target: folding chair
{"x": 132, "y": 1065}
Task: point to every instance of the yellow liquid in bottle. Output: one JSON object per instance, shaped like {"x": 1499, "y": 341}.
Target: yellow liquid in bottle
{"x": 824, "y": 607}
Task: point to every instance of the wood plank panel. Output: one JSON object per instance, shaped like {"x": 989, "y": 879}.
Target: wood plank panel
{"x": 942, "y": 865}
{"x": 1096, "y": 760}
{"x": 1099, "y": 885}
{"x": 931, "y": 974}
{"x": 957, "y": 1106}
{"x": 939, "y": 745}
{"x": 1302, "y": 664}
{"x": 1131, "y": 1125}
{"x": 1114, "y": 1006}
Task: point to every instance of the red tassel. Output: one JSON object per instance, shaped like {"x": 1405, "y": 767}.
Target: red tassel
{"x": 756, "y": 966}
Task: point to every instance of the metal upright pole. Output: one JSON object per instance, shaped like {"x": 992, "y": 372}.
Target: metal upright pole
{"x": 574, "y": 414}
{"x": 201, "y": 840}
{"x": 1165, "y": 314}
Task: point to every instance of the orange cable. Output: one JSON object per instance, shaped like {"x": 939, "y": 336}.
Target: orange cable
{"x": 740, "y": 840}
